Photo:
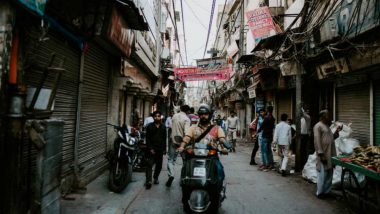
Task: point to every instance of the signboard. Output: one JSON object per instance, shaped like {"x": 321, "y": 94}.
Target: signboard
{"x": 211, "y": 62}
{"x": 119, "y": 34}
{"x": 261, "y": 23}
{"x": 35, "y": 5}
{"x": 251, "y": 92}
{"x": 197, "y": 74}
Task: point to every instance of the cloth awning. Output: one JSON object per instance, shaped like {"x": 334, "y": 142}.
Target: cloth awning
{"x": 270, "y": 42}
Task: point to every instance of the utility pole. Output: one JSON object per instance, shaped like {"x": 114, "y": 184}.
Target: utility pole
{"x": 298, "y": 114}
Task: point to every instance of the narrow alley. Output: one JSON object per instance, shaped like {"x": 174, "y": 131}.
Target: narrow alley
{"x": 248, "y": 191}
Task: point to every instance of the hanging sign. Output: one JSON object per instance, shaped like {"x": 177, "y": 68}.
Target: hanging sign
{"x": 261, "y": 23}
{"x": 197, "y": 74}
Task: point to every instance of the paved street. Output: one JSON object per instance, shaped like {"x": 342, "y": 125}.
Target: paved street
{"x": 248, "y": 191}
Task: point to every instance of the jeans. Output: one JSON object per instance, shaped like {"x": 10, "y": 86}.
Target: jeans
{"x": 172, "y": 157}
{"x": 255, "y": 149}
{"x": 220, "y": 169}
{"x": 266, "y": 151}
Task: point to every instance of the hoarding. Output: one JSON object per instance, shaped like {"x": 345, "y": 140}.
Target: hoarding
{"x": 261, "y": 23}
{"x": 197, "y": 73}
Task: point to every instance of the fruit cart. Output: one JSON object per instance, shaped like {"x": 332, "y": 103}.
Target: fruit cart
{"x": 360, "y": 185}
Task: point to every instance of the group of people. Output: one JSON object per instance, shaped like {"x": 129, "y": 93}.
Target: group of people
{"x": 266, "y": 135}
{"x": 160, "y": 138}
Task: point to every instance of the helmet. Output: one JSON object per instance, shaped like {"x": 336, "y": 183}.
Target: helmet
{"x": 204, "y": 109}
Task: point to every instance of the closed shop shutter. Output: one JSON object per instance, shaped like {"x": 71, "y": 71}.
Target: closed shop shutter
{"x": 376, "y": 110}
{"x": 284, "y": 105}
{"x": 65, "y": 106}
{"x": 93, "y": 114}
{"x": 353, "y": 107}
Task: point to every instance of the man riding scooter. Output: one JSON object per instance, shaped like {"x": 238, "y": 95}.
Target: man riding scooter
{"x": 205, "y": 134}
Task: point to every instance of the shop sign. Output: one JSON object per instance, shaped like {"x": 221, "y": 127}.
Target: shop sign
{"x": 37, "y": 6}
{"x": 197, "y": 74}
{"x": 251, "y": 92}
{"x": 332, "y": 67}
{"x": 119, "y": 33}
{"x": 261, "y": 23}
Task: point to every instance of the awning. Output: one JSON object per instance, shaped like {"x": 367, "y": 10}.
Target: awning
{"x": 249, "y": 59}
{"x": 132, "y": 15}
{"x": 270, "y": 42}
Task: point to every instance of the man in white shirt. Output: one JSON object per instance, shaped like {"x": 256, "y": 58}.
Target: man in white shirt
{"x": 283, "y": 137}
{"x": 233, "y": 129}
{"x": 180, "y": 125}
{"x": 168, "y": 125}
{"x": 305, "y": 135}
{"x": 148, "y": 120}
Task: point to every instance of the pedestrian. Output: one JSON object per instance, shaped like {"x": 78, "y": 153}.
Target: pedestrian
{"x": 282, "y": 138}
{"x": 266, "y": 142}
{"x": 233, "y": 128}
{"x": 168, "y": 125}
{"x": 325, "y": 149}
{"x": 219, "y": 120}
{"x": 148, "y": 120}
{"x": 180, "y": 124}
{"x": 293, "y": 145}
{"x": 224, "y": 123}
{"x": 255, "y": 135}
{"x": 192, "y": 116}
{"x": 305, "y": 135}
{"x": 156, "y": 148}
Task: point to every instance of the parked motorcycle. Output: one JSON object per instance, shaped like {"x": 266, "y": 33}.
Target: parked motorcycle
{"x": 139, "y": 161}
{"x": 121, "y": 158}
{"x": 202, "y": 190}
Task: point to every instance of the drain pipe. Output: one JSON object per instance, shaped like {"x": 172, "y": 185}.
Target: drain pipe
{"x": 76, "y": 166}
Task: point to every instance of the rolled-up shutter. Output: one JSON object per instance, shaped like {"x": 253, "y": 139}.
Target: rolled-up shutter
{"x": 65, "y": 106}
{"x": 353, "y": 107}
{"x": 93, "y": 114}
{"x": 376, "y": 110}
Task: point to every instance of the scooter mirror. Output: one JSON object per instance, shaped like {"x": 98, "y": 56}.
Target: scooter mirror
{"x": 178, "y": 139}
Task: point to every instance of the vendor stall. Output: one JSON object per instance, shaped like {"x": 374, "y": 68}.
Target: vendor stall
{"x": 360, "y": 179}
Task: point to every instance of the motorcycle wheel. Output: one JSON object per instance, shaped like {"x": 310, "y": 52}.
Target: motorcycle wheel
{"x": 119, "y": 179}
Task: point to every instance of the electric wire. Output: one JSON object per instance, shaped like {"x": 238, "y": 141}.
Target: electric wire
{"x": 220, "y": 23}
{"x": 184, "y": 33}
{"x": 209, "y": 26}
{"x": 175, "y": 29}
{"x": 195, "y": 15}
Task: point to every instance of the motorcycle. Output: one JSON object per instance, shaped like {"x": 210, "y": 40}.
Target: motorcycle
{"x": 121, "y": 157}
{"x": 202, "y": 190}
{"x": 139, "y": 161}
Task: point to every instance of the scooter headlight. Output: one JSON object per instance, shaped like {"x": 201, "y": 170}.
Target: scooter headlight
{"x": 201, "y": 152}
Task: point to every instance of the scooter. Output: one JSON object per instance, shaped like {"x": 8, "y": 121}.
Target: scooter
{"x": 202, "y": 190}
{"x": 121, "y": 157}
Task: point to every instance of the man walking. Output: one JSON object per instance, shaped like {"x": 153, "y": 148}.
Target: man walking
{"x": 325, "y": 149}
{"x": 180, "y": 124}
{"x": 156, "y": 145}
{"x": 256, "y": 136}
{"x": 233, "y": 128}
{"x": 266, "y": 142}
{"x": 283, "y": 138}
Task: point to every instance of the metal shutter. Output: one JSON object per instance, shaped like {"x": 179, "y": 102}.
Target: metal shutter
{"x": 65, "y": 105}
{"x": 353, "y": 107}
{"x": 93, "y": 114}
{"x": 376, "y": 110}
{"x": 284, "y": 105}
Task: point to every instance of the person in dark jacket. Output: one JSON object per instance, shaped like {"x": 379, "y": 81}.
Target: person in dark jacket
{"x": 267, "y": 136}
{"x": 156, "y": 144}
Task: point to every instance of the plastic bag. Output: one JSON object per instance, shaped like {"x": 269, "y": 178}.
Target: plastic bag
{"x": 346, "y": 145}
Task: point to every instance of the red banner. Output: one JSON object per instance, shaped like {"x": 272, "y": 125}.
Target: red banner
{"x": 260, "y": 22}
{"x": 197, "y": 74}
